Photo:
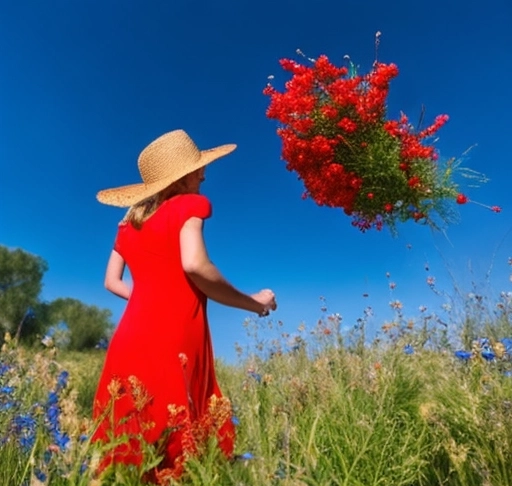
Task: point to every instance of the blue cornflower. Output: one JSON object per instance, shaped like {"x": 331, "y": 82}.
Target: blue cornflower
{"x": 235, "y": 421}
{"x": 40, "y": 475}
{"x": 246, "y": 456}
{"x": 24, "y": 422}
{"x": 7, "y": 390}
{"x": 507, "y": 342}
{"x": 4, "y": 368}
{"x": 28, "y": 440}
{"x": 62, "y": 380}
{"x": 102, "y": 344}
{"x": 25, "y": 429}
{"x": 488, "y": 355}
{"x": 483, "y": 342}
{"x": 53, "y": 399}
{"x": 464, "y": 355}
{"x": 61, "y": 439}
{"x": 7, "y": 406}
{"x": 408, "y": 349}
{"x": 254, "y": 375}
{"x": 52, "y": 415}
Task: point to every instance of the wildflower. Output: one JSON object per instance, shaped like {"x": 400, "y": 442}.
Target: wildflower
{"x": 461, "y": 199}
{"x": 254, "y": 375}
{"x": 408, "y": 349}
{"x": 53, "y": 398}
{"x": 25, "y": 429}
{"x": 246, "y": 456}
{"x": 488, "y": 355}
{"x": 507, "y": 342}
{"x": 396, "y": 304}
{"x": 235, "y": 420}
{"x": 431, "y": 281}
{"x": 414, "y": 182}
{"x": 496, "y": 209}
{"x": 464, "y": 355}
{"x": 40, "y": 475}
{"x": 62, "y": 380}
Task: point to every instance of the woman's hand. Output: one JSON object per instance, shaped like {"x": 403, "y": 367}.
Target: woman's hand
{"x": 267, "y": 299}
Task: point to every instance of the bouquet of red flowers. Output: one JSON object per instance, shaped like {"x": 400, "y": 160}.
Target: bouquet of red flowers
{"x": 336, "y": 137}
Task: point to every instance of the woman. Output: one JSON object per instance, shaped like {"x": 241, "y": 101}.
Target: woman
{"x": 158, "y": 383}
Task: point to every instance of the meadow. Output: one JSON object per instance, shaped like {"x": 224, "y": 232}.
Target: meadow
{"x": 427, "y": 402}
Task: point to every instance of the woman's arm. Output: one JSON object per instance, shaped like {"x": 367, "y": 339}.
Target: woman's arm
{"x": 208, "y": 279}
{"x": 114, "y": 276}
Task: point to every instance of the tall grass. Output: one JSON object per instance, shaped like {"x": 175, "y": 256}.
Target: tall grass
{"x": 319, "y": 407}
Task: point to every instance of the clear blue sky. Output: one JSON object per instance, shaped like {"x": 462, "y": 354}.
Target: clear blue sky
{"x": 86, "y": 85}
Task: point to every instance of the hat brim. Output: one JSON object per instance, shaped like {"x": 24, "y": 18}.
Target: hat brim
{"x": 131, "y": 194}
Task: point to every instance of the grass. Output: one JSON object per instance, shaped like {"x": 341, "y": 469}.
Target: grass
{"x": 315, "y": 408}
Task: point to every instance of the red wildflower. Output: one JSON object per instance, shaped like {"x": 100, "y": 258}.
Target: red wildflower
{"x": 329, "y": 112}
{"x": 496, "y": 209}
{"x": 347, "y": 125}
{"x": 414, "y": 182}
{"x": 461, "y": 199}
{"x": 388, "y": 207}
{"x": 326, "y": 71}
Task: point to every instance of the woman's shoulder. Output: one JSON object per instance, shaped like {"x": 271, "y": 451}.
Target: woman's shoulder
{"x": 191, "y": 198}
{"x": 191, "y": 205}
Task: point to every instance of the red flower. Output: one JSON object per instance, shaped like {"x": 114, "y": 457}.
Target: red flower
{"x": 336, "y": 137}
{"x": 347, "y": 125}
{"x": 414, "y": 182}
{"x": 329, "y": 112}
{"x": 461, "y": 199}
{"x": 496, "y": 209}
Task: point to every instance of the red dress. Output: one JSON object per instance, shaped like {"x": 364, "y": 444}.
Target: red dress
{"x": 158, "y": 382}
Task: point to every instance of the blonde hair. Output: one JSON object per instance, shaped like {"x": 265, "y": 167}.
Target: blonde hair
{"x": 140, "y": 212}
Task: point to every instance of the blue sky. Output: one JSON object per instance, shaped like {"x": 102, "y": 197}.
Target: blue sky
{"x": 86, "y": 85}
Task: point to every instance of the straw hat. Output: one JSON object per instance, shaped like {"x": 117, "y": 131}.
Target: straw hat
{"x": 162, "y": 162}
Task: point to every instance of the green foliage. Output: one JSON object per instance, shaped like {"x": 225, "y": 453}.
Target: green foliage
{"x": 87, "y": 324}
{"x": 21, "y": 276}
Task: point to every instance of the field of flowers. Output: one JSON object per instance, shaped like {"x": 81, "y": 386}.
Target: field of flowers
{"x": 428, "y": 402}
